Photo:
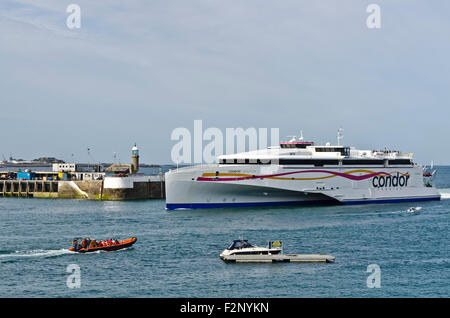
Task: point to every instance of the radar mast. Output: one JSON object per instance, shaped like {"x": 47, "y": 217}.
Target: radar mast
{"x": 340, "y": 136}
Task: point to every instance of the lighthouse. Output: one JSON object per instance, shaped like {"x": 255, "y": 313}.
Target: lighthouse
{"x": 134, "y": 159}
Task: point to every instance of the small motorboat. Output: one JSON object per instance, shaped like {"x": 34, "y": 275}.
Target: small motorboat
{"x": 243, "y": 247}
{"x": 414, "y": 209}
{"x": 241, "y": 251}
{"x": 87, "y": 245}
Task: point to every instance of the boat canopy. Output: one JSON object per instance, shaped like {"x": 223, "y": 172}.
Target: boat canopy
{"x": 239, "y": 244}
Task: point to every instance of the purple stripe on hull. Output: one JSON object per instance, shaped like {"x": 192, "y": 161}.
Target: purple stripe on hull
{"x": 344, "y": 175}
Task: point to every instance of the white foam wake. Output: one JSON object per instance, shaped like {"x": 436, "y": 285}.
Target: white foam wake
{"x": 445, "y": 193}
{"x": 37, "y": 253}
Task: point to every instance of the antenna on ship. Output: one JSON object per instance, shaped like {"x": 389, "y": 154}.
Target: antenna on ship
{"x": 340, "y": 136}
{"x": 89, "y": 157}
{"x": 295, "y": 138}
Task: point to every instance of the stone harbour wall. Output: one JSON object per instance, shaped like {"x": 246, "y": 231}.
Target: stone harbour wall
{"x": 87, "y": 190}
{"x": 140, "y": 190}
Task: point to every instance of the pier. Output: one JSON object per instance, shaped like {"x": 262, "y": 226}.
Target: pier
{"x": 117, "y": 189}
{"x": 71, "y": 180}
{"x": 28, "y": 188}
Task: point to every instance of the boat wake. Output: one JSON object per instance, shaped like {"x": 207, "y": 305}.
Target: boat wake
{"x": 33, "y": 253}
{"x": 445, "y": 193}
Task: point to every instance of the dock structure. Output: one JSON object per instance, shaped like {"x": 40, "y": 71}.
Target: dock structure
{"x": 68, "y": 180}
{"x": 29, "y": 188}
{"x": 280, "y": 258}
{"x": 110, "y": 188}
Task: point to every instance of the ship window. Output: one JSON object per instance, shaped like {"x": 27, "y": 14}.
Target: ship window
{"x": 400, "y": 162}
{"x": 239, "y": 244}
{"x": 252, "y": 253}
{"x": 296, "y": 145}
{"x": 308, "y": 162}
{"x": 227, "y": 161}
{"x": 362, "y": 162}
{"x": 344, "y": 151}
{"x": 290, "y": 161}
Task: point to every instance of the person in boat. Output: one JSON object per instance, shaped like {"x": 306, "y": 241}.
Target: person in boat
{"x": 93, "y": 244}
{"x": 75, "y": 245}
{"x": 85, "y": 243}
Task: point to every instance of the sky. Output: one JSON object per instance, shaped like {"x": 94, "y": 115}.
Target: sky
{"x": 136, "y": 70}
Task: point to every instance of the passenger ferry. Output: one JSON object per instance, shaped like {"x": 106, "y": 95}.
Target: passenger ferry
{"x": 299, "y": 172}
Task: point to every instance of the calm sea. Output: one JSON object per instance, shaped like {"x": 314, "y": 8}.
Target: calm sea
{"x": 177, "y": 252}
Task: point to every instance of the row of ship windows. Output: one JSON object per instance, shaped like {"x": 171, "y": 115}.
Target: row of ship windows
{"x": 251, "y": 253}
{"x": 316, "y": 162}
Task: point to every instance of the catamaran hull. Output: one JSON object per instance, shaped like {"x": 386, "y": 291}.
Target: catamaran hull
{"x": 191, "y": 195}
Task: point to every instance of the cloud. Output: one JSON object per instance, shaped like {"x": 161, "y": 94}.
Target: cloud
{"x": 138, "y": 69}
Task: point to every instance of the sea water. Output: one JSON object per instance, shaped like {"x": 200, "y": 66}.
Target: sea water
{"x": 177, "y": 252}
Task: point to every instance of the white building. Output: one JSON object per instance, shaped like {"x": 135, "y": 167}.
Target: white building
{"x": 65, "y": 167}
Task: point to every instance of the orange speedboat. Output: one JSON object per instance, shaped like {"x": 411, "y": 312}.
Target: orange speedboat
{"x": 87, "y": 245}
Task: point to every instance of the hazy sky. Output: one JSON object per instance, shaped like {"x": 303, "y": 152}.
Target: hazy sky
{"x": 136, "y": 70}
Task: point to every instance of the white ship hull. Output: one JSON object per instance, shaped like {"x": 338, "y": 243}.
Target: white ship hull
{"x": 271, "y": 185}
